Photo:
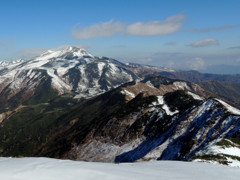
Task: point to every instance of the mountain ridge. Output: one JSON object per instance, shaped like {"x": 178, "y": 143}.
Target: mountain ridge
{"x": 70, "y": 104}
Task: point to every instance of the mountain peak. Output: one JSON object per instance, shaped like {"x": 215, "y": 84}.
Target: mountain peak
{"x": 65, "y": 53}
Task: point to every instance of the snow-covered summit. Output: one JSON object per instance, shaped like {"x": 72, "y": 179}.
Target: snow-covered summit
{"x": 70, "y": 52}
{"x": 70, "y": 70}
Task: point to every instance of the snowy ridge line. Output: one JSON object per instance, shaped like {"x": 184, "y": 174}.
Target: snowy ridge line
{"x": 195, "y": 96}
{"x": 202, "y": 123}
{"x": 229, "y": 107}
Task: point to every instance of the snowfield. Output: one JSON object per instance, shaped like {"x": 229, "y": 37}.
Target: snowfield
{"x": 53, "y": 169}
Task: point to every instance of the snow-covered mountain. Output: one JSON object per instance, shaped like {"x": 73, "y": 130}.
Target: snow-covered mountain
{"x": 70, "y": 104}
{"x": 71, "y": 70}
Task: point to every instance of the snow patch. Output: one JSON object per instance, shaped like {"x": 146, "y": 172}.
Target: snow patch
{"x": 100, "y": 68}
{"x": 233, "y": 162}
{"x": 195, "y": 96}
{"x": 180, "y": 85}
{"x": 114, "y": 69}
{"x": 229, "y": 107}
{"x": 150, "y": 84}
{"x": 214, "y": 149}
{"x": 165, "y": 107}
{"x": 57, "y": 82}
{"x": 128, "y": 93}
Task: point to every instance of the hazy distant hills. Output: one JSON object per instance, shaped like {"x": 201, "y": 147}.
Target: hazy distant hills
{"x": 228, "y": 90}
{"x": 225, "y": 86}
{"x": 195, "y": 76}
{"x": 219, "y": 69}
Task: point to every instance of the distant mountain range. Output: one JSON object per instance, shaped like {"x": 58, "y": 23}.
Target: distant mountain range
{"x": 223, "y": 69}
{"x": 224, "y": 86}
{"x": 71, "y": 104}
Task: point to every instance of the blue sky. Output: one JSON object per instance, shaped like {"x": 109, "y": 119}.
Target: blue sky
{"x": 180, "y": 34}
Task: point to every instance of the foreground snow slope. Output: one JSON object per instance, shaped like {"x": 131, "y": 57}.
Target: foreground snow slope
{"x": 45, "y": 168}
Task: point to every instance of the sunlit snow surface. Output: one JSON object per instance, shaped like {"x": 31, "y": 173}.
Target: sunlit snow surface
{"x": 229, "y": 107}
{"x": 53, "y": 169}
{"x": 126, "y": 92}
{"x": 195, "y": 96}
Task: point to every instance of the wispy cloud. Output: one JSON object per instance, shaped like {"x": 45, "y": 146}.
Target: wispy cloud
{"x": 196, "y": 63}
{"x": 7, "y": 44}
{"x": 174, "y": 60}
{"x": 234, "y": 48}
{"x": 202, "y": 30}
{"x": 170, "y": 43}
{"x": 205, "y": 42}
{"x": 189, "y": 60}
{"x": 177, "y": 60}
{"x": 108, "y": 28}
{"x": 152, "y": 28}
{"x": 29, "y": 53}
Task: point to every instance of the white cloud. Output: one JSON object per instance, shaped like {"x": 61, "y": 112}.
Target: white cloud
{"x": 108, "y": 28}
{"x": 152, "y": 28}
{"x": 205, "y": 42}
{"x": 196, "y": 64}
{"x": 179, "y": 61}
{"x": 238, "y": 60}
